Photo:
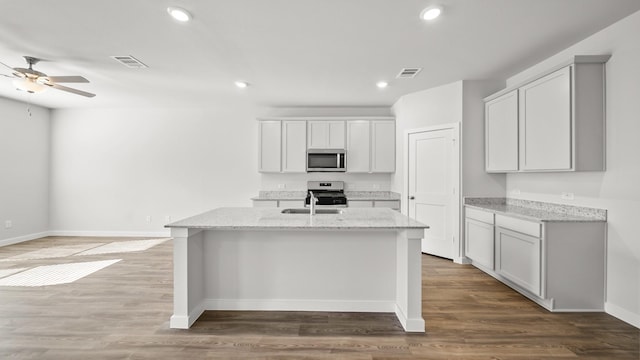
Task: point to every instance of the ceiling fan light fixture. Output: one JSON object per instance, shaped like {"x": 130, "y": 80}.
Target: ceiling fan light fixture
{"x": 431, "y": 13}
{"x": 29, "y": 85}
{"x": 179, "y": 14}
{"x": 242, "y": 84}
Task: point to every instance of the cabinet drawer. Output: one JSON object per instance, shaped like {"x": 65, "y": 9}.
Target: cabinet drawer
{"x": 480, "y": 215}
{"x": 521, "y": 226}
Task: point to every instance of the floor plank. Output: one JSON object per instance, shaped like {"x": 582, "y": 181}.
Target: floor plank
{"x": 122, "y": 312}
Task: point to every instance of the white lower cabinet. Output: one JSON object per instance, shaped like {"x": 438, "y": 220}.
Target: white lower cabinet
{"x": 558, "y": 264}
{"x": 518, "y": 259}
{"x": 479, "y": 241}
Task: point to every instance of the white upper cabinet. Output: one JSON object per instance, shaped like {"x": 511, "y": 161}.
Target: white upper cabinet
{"x": 383, "y": 146}
{"x": 325, "y": 134}
{"x": 371, "y": 146}
{"x": 501, "y": 133}
{"x": 369, "y": 142}
{"x": 359, "y": 146}
{"x": 269, "y": 133}
{"x": 545, "y": 122}
{"x": 294, "y": 146}
{"x": 560, "y": 121}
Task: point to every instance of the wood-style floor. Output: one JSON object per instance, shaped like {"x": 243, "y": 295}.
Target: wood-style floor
{"x": 122, "y": 312}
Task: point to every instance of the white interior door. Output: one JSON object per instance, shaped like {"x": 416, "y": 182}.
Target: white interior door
{"x": 433, "y": 187}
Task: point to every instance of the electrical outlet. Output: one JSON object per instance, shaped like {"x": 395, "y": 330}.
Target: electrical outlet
{"x": 167, "y": 218}
{"x": 567, "y": 196}
{"x": 281, "y": 186}
{"x": 376, "y": 187}
{"x": 8, "y": 224}
{"x": 148, "y": 218}
{"x": 515, "y": 192}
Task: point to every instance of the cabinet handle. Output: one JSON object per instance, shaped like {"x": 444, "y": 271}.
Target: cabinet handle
{"x": 412, "y": 197}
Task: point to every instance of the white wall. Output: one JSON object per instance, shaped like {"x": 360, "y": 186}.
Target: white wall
{"x": 435, "y": 106}
{"x": 111, "y": 168}
{"x": 616, "y": 189}
{"x": 24, "y": 171}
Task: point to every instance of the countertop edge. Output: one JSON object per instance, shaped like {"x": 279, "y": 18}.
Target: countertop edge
{"x": 305, "y": 228}
{"x": 532, "y": 218}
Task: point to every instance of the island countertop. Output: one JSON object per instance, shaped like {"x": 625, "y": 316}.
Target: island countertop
{"x": 231, "y": 218}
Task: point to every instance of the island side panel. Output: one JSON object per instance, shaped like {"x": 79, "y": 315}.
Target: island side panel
{"x": 303, "y": 270}
{"x": 409, "y": 279}
{"x": 188, "y": 291}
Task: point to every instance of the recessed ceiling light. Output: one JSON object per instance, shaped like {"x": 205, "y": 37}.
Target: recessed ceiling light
{"x": 431, "y": 13}
{"x": 179, "y": 14}
{"x": 382, "y": 84}
{"x": 242, "y": 84}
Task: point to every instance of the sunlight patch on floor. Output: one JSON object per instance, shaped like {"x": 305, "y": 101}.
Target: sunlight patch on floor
{"x": 7, "y": 272}
{"x": 123, "y": 246}
{"x": 52, "y": 252}
{"x": 55, "y": 274}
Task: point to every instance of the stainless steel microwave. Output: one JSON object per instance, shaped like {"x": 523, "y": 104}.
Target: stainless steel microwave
{"x": 326, "y": 160}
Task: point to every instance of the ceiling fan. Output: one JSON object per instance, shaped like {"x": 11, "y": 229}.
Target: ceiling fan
{"x": 33, "y": 81}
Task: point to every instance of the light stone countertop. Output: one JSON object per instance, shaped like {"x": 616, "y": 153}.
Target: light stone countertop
{"x": 351, "y": 195}
{"x": 372, "y": 195}
{"x": 537, "y": 211}
{"x": 273, "y": 219}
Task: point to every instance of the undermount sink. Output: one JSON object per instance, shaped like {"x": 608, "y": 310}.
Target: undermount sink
{"x": 307, "y": 211}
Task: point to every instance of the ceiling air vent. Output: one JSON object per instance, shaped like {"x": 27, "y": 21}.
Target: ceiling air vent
{"x": 408, "y": 73}
{"x": 129, "y": 61}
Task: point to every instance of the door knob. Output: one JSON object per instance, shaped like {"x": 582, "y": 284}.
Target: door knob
{"x": 412, "y": 197}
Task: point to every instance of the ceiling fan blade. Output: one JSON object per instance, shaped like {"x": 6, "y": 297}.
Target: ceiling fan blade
{"x": 71, "y": 90}
{"x": 3, "y": 64}
{"x": 68, "y": 79}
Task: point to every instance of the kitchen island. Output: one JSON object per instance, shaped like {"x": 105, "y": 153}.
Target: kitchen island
{"x": 360, "y": 260}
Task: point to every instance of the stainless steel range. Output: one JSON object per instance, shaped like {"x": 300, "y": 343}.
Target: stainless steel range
{"x": 327, "y": 193}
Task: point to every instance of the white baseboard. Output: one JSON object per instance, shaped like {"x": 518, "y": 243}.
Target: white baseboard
{"x": 622, "y": 314}
{"x": 23, "y": 238}
{"x": 185, "y": 321}
{"x": 28, "y": 237}
{"x": 299, "y": 305}
{"x": 164, "y": 233}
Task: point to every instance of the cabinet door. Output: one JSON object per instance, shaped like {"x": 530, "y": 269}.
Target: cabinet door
{"x": 479, "y": 243}
{"x": 325, "y": 134}
{"x": 317, "y": 134}
{"x": 358, "y": 146}
{"x": 518, "y": 259}
{"x": 269, "y": 135}
{"x": 501, "y": 133}
{"x": 336, "y": 135}
{"x": 545, "y": 122}
{"x": 383, "y": 146}
{"x": 294, "y": 146}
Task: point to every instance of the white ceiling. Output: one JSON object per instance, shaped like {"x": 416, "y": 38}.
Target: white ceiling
{"x": 293, "y": 52}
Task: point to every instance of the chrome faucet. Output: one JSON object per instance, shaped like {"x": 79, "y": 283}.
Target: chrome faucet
{"x": 312, "y": 203}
